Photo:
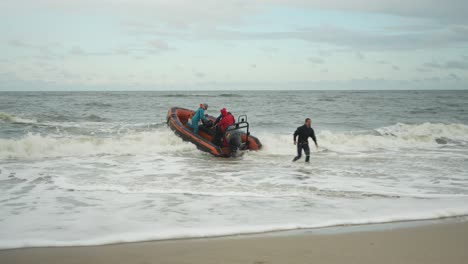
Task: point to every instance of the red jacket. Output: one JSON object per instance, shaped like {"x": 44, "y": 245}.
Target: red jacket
{"x": 227, "y": 120}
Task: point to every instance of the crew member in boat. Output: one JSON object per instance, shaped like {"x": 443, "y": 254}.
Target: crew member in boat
{"x": 199, "y": 115}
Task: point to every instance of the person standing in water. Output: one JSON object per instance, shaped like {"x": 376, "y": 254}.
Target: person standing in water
{"x": 304, "y": 132}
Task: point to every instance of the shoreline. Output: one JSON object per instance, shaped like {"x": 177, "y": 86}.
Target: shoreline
{"x": 327, "y": 230}
{"x": 426, "y": 241}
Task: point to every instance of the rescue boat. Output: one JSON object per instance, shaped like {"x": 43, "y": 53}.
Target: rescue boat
{"x": 177, "y": 120}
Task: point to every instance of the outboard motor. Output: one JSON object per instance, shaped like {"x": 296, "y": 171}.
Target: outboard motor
{"x": 234, "y": 139}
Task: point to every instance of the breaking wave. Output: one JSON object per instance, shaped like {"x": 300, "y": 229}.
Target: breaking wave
{"x": 396, "y": 137}
{"x": 162, "y": 140}
{"x": 38, "y": 146}
{"x": 59, "y": 120}
{"x": 15, "y": 119}
{"x": 95, "y": 118}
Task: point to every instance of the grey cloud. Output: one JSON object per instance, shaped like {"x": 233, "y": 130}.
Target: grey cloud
{"x": 432, "y": 65}
{"x": 426, "y": 26}
{"x": 453, "y": 76}
{"x": 451, "y": 64}
{"x": 76, "y": 50}
{"x": 183, "y": 13}
{"x": 79, "y": 51}
{"x": 447, "y": 11}
{"x": 16, "y": 43}
{"x": 381, "y": 40}
{"x": 204, "y": 19}
{"x": 360, "y": 40}
{"x": 40, "y": 46}
{"x": 159, "y": 44}
{"x": 316, "y": 60}
{"x": 462, "y": 65}
{"x": 122, "y": 51}
{"x": 269, "y": 49}
{"x": 422, "y": 69}
{"x": 427, "y": 35}
{"x": 179, "y": 14}
{"x": 325, "y": 53}
{"x": 341, "y": 37}
{"x": 360, "y": 56}
{"x": 39, "y": 50}
{"x": 199, "y": 74}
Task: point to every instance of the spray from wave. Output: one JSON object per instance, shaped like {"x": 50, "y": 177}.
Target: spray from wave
{"x": 162, "y": 140}
{"x": 15, "y": 119}
{"x": 396, "y": 137}
{"x": 37, "y": 146}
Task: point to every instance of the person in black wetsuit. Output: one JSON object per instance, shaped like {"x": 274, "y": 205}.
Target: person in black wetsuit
{"x": 304, "y": 132}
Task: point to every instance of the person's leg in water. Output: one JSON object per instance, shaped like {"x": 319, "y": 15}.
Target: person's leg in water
{"x": 299, "y": 152}
{"x": 307, "y": 152}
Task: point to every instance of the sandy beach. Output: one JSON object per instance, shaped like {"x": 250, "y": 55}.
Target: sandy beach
{"x": 440, "y": 242}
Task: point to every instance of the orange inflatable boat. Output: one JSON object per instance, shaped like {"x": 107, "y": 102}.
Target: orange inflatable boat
{"x": 177, "y": 120}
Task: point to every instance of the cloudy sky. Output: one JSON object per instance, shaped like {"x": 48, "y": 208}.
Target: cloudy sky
{"x": 251, "y": 44}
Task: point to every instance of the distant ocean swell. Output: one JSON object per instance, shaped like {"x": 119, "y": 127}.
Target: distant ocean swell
{"x": 182, "y": 95}
{"x": 9, "y": 118}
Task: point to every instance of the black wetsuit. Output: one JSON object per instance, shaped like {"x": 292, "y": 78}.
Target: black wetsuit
{"x": 218, "y": 119}
{"x": 304, "y": 132}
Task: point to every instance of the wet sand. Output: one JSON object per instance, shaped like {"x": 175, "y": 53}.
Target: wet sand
{"x": 441, "y": 242}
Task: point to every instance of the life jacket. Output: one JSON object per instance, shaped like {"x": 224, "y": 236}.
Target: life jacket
{"x": 227, "y": 120}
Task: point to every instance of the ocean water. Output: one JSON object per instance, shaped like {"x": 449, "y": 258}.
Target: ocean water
{"x": 88, "y": 168}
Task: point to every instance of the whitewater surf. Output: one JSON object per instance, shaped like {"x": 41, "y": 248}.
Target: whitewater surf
{"x": 98, "y": 168}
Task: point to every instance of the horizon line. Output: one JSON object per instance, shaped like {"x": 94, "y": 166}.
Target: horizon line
{"x": 239, "y": 90}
